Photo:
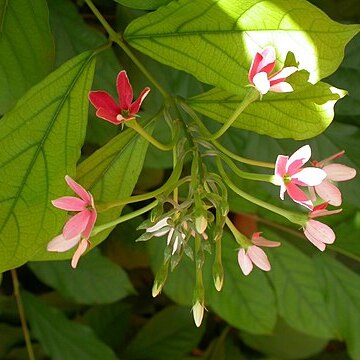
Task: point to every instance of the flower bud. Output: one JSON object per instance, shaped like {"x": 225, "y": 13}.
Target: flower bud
{"x": 198, "y": 313}
{"x": 160, "y": 279}
{"x": 218, "y": 275}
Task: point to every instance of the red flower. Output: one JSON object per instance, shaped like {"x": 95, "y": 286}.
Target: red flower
{"x": 108, "y": 109}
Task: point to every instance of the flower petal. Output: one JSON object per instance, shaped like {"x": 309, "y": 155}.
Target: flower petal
{"x": 259, "y": 258}
{"x": 329, "y": 193}
{"x": 262, "y": 61}
{"x": 280, "y": 166}
{"x": 298, "y": 159}
{"x": 244, "y": 261}
{"x": 261, "y": 82}
{"x": 159, "y": 225}
{"x": 281, "y": 75}
{"x": 124, "y": 90}
{"x": 102, "y": 99}
{"x": 339, "y": 172}
{"x": 319, "y": 234}
{"x": 78, "y": 189}
{"x": 299, "y": 196}
{"x": 108, "y": 115}
{"x": 309, "y": 176}
{"x": 60, "y": 244}
{"x": 260, "y": 241}
{"x": 84, "y": 243}
{"x": 282, "y": 87}
{"x": 70, "y": 203}
{"x": 90, "y": 225}
{"x": 77, "y": 224}
{"x": 135, "y": 106}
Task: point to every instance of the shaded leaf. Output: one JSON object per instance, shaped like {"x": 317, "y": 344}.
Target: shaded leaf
{"x": 60, "y": 337}
{"x": 32, "y": 168}
{"x": 97, "y": 280}
{"x": 143, "y": 4}
{"x": 215, "y": 40}
{"x": 26, "y": 48}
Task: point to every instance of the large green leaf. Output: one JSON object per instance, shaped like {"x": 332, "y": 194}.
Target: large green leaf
{"x": 215, "y": 40}
{"x": 247, "y": 303}
{"x": 170, "y": 334}
{"x": 109, "y": 174}
{"x": 301, "y": 114}
{"x": 26, "y": 48}
{"x": 96, "y": 281}
{"x": 60, "y": 337}
{"x": 143, "y": 4}
{"x": 342, "y": 290}
{"x": 300, "y": 299}
{"x": 41, "y": 140}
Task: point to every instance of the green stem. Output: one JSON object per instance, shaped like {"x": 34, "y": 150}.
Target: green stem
{"x": 251, "y": 96}
{"x": 22, "y": 316}
{"x": 205, "y": 131}
{"x": 241, "y": 239}
{"x": 133, "y": 124}
{"x": 121, "y": 219}
{"x": 291, "y": 216}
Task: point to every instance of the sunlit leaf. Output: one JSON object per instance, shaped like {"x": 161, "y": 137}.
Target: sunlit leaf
{"x": 96, "y": 281}
{"x": 216, "y": 40}
{"x": 41, "y": 139}
{"x": 26, "y": 48}
{"x": 60, "y": 337}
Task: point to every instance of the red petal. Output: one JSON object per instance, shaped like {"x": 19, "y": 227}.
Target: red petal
{"x": 108, "y": 116}
{"x": 102, "y": 100}
{"x": 135, "y": 106}
{"x": 78, "y": 189}
{"x": 124, "y": 90}
{"x": 299, "y": 196}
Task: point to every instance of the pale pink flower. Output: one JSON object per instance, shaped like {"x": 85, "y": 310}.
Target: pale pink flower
{"x": 78, "y": 228}
{"x": 109, "y": 110}
{"x": 318, "y": 233}
{"x": 289, "y": 174}
{"x": 259, "y": 75}
{"x": 255, "y": 255}
{"x": 334, "y": 172}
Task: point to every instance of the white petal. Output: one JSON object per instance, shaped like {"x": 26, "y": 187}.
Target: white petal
{"x": 310, "y": 176}
{"x": 303, "y": 155}
{"x": 262, "y": 82}
{"x": 60, "y": 244}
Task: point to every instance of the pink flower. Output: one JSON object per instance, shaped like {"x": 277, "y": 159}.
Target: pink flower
{"x": 334, "y": 172}
{"x": 289, "y": 174}
{"x": 259, "y": 75}
{"x": 78, "y": 228}
{"x": 255, "y": 255}
{"x": 109, "y": 110}
{"x": 318, "y": 233}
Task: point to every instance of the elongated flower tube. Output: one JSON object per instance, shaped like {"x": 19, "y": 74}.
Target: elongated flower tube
{"x": 108, "y": 109}
{"x": 262, "y": 65}
{"x": 289, "y": 175}
{"x": 78, "y": 228}
{"x": 253, "y": 254}
{"x": 319, "y": 234}
{"x": 327, "y": 190}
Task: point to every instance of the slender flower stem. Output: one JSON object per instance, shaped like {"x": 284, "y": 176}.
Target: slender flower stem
{"x": 133, "y": 124}
{"x": 251, "y": 96}
{"x": 205, "y": 131}
{"x": 291, "y": 216}
{"x": 121, "y": 219}
{"x": 241, "y": 239}
{"x": 22, "y": 316}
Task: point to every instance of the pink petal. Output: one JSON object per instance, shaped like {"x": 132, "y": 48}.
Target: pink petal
{"x": 267, "y": 63}
{"x": 309, "y": 176}
{"x": 108, "y": 115}
{"x": 312, "y": 193}
{"x": 280, "y": 165}
{"x": 259, "y": 258}
{"x": 281, "y": 75}
{"x": 78, "y": 189}
{"x": 282, "y": 87}
{"x": 261, "y": 82}
{"x": 135, "y": 106}
{"x": 317, "y": 213}
{"x": 124, "y": 90}
{"x": 319, "y": 234}
{"x": 90, "y": 225}
{"x": 70, "y": 203}
{"x": 77, "y": 224}
{"x": 329, "y": 193}
{"x": 299, "y": 196}
{"x": 338, "y": 155}
{"x": 79, "y": 251}
{"x": 60, "y": 244}
{"x": 339, "y": 172}
{"x": 260, "y": 241}
{"x": 298, "y": 159}
{"x": 103, "y": 100}
{"x": 244, "y": 261}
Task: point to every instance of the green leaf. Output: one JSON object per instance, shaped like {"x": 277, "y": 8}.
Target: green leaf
{"x": 96, "y": 281}
{"x": 216, "y": 40}
{"x": 143, "y": 4}
{"x": 42, "y": 136}
{"x": 299, "y": 115}
{"x": 26, "y": 48}
{"x": 10, "y": 337}
{"x": 60, "y": 337}
{"x": 300, "y": 300}
{"x": 341, "y": 287}
{"x": 109, "y": 174}
{"x": 170, "y": 334}
{"x": 298, "y": 345}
